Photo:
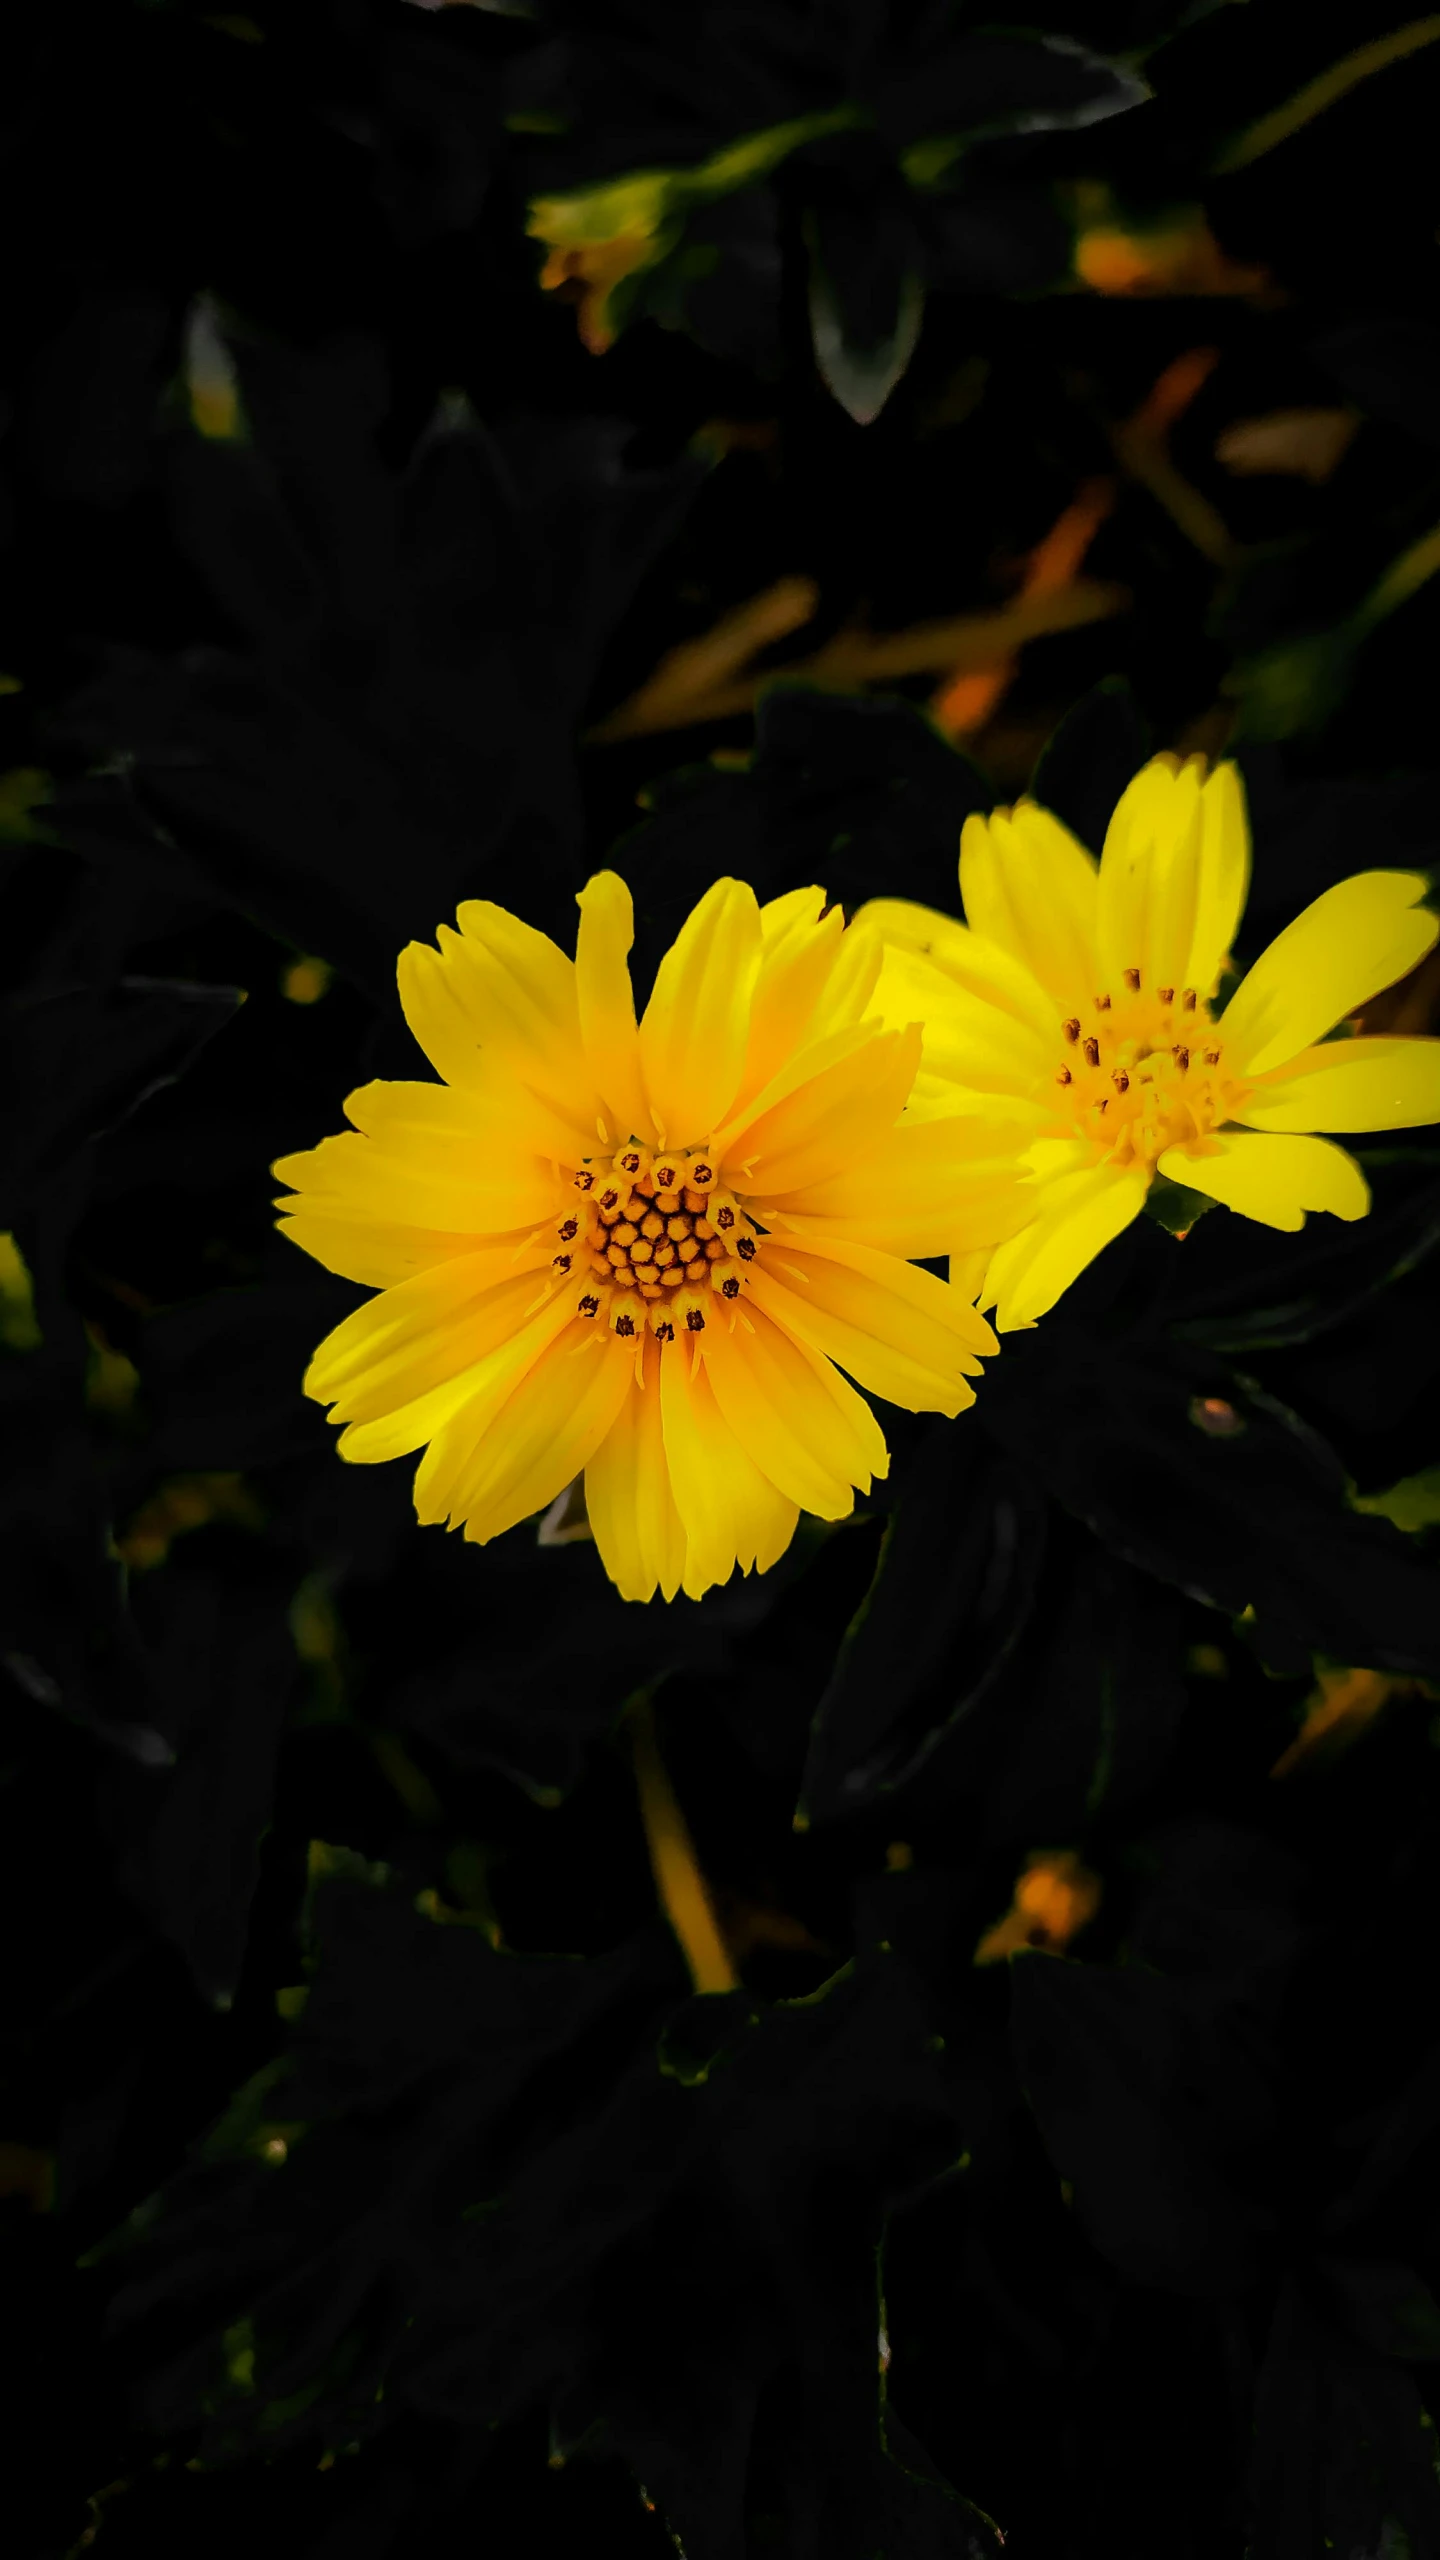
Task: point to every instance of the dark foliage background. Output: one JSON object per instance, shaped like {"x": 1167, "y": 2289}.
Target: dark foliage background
{"x": 373, "y": 2181}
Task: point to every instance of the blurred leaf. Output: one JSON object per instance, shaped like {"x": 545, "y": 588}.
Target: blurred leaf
{"x": 79, "y": 1059}
{"x": 683, "y": 128}
{"x": 1389, "y": 365}
{"x": 221, "y": 1374}
{"x": 492, "y": 2242}
{"x": 1412, "y": 1504}
{"x": 1097, "y": 749}
{"x": 1235, "y": 1287}
{"x": 975, "y": 82}
{"x": 94, "y": 394}
{"x": 20, "y": 1328}
{"x": 187, "y": 1836}
{"x": 1291, "y": 689}
{"x": 1089, "y": 1710}
{"x": 23, "y": 790}
{"x": 951, "y": 1596}
{"x": 1154, "y": 2080}
{"x": 1342, "y": 2443}
{"x": 867, "y": 300}
{"x": 1253, "y": 1521}
{"x": 416, "y": 647}
{"x": 839, "y": 791}
{"x": 1311, "y": 443}
{"x": 1308, "y": 830}
{"x": 1104, "y": 2057}
{"x": 1388, "y": 2308}
{"x": 1175, "y": 1207}
{"x": 549, "y": 1678}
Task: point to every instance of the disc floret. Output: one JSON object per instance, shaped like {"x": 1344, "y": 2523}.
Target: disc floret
{"x": 1143, "y": 1069}
{"x": 654, "y": 1240}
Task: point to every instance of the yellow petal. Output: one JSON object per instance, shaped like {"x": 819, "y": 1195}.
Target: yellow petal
{"x": 830, "y": 1100}
{"x": 988, "y": 1034}
{"x": 1150, "y": 876}
{"x": 1272, "y": 1179}
{"x": 923, "y": 1188}
{"x": 423, "y": 1331}
{"x": 1077, "y": 1214}
{"x": 914, "y": 1290}
{"x": 452, "y": 1415}
{"x": 499, "y": 995}
{"x": 425, "y": 1155}
{"x": 636, "y": 1526}
{"x": 421, "y": 1424}
{"x": 795, "y": 911}
{"x": 1224, "y": 879}
{"x": 975, "y": 967}
{"x": 1352, "y": 1084}
{"x": 899, "y": 1332}
{"x": 443, "y": 1003}
{"x": 370, "y": 1249}
{"x": 846, "y": 994}
{"x": 801, "y": 953}
{"x": 934, "y": 1097}
{"x": 1358, "y": 937}
{"x": 912, "y": 927}
{"x": 459, "y": 1444}
{"x": 732, "y": 1513}
{"x": 1029, "y": 885}
{"x": 546, "y": 1432}
{"x": 493, "y": 1125}
{"x": 781, "y": 1411}
{"x": 697, "y": 1022}
{"x": 607, "y": 1005}
{"x": 967, "y": 1271}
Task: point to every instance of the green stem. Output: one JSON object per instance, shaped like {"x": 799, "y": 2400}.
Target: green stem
{"x": 1323, "y": 91}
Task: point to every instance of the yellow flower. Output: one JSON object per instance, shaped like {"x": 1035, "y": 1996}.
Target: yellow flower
{"x": 598, "y": 235}
{"x": 1056, "y": 1896}
{"x": 1174, "y": 253}
{"x": 645, "y": 1250}
{"x": 589, "y": 271}
{"x": 596, "y": 239}
{"x": 1080, "y": 1002}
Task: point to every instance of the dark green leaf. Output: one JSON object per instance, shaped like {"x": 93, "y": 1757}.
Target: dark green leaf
{"x": 953, "y": 1587}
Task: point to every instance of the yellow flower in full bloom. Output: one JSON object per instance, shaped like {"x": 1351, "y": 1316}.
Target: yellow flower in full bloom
{"x": 592, "y": 246}
{"x": 645, "y": 1250}
{"x": 1080, "y": 999}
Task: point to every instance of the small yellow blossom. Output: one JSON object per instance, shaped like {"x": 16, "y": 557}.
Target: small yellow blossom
{"x": 305, "y": 981}
{"x": 1343, "y": 1704}
{"x": 598, "y": 235}
{"x": 1056, "y": 1896}
{"x": 645, "y": 1250}
{"x": 19, "y": 1325}
{"x": 589, "y": 271}
{"x": 594, "y": 240}
{"x": 1180, "y": 255}
{"x": 1080, "y": 1000}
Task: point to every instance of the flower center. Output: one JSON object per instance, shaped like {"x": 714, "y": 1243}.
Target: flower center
{"x": 1145, "y": 1071}
{"x": 654, "y": 1240}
